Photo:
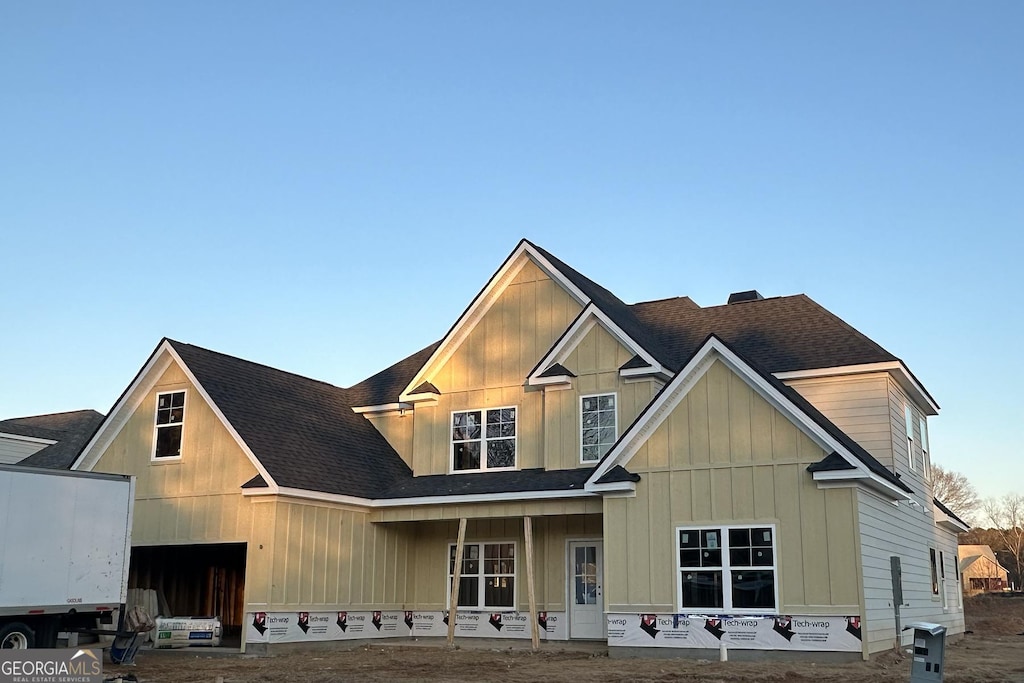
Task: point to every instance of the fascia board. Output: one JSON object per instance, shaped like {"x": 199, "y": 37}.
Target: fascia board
{"x": 383, "y": 408}
{"x": 304, "y": 494}
{"x": 26, "y": 439}
{"x": 614, "y": 487}
{"x": 948, "y": 523}
{"x": 900, "y": 371}
{"x": 125, "y": 407}
{"x": 132, "y": 399}
{"x": 483, "y": 302}
{"x": 686, "y": 378}
{"x": 224, "y": 420}
{"x": 419, "y": 500}
{"x": 548, "y": 381}
{"x": 860, "y": 477}
{"x": 580, "y": 328}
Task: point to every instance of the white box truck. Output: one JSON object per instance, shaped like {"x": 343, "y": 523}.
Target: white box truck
{"x": 65, "y": 544}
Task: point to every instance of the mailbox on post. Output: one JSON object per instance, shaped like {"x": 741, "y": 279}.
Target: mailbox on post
{"x": 927, "y": 664}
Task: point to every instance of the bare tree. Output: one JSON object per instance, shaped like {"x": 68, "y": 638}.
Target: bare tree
{"x": 953, "y": 490}
{"x": 1006, "y": 514}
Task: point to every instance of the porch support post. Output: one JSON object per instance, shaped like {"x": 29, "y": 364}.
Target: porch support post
{"x": 534, "y": 626}
{"x": 453, "y": 602}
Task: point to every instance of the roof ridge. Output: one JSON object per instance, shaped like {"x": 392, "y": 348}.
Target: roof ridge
{"x": 667, "y": 298}
{"x": 174, "y": 342}
{"x": 59, "y": 412}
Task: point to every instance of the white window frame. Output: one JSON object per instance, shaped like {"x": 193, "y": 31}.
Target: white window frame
{"x": 942, "y": 581}
{"x": 483, "y": 440}
{"x": 615, "y": 426}
{"x": 726, "y": 569}
{"x": 482, "y": 586}
{"x": 908, "y": 421}
{"x": 933, "y": 562}
{"x": 925, "y": 458}
{"x": 157, "y": 427}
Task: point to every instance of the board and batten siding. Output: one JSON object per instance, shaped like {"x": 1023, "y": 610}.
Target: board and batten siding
{"x": 726, "y": 456}
{"x": 194, "y": 499}
{"x": 311, "y": 555}
{"x": 397, "y": 429}
{"x": 14, "y": 449}
{"x": 429, "y": 555}
{"x": 490, "y": 367}
{"x": 595, "y": 362}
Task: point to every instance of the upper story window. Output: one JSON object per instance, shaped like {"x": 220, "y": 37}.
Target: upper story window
{"x": 908, "y": 418}
{"x": 727, "y": 568}
{"x": 170, "y": 417}
{"x": 599, "y": 426}
{"x": 925, "y": 458}
{"x": 484, "y": 440}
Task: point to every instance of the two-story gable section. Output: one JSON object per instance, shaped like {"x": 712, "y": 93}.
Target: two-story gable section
{"x": 657, "y": 475}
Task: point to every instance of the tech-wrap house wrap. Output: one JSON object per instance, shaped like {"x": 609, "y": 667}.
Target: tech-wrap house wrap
{"x": 742, "y": 473}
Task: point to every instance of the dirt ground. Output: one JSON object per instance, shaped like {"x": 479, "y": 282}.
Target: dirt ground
{"x": 992, "y": 650}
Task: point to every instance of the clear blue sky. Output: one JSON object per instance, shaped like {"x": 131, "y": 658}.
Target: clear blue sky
{"x": 324, "y": 186}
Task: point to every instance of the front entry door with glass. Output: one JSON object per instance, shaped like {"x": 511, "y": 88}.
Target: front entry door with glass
{"x": 586, "y": 601}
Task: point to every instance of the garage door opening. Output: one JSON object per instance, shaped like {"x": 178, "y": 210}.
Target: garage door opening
{"x": 195, "y": 580}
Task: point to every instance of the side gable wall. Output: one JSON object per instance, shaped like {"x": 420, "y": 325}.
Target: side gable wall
{"x": 725, "y": 456}
{"x": 192, "y": 500}
{"x": 857, "y": 404}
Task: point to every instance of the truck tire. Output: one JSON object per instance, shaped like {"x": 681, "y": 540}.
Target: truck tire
{"x": 16, "y": 636}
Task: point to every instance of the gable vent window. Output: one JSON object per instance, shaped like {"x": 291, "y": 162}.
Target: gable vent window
{"x": 598, "y": 431}
{"x": 484, "y": 440}
{"x": 170, "y": 416}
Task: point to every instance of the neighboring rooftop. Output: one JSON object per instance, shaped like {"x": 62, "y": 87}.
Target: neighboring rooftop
{"x": 71, "y": 430}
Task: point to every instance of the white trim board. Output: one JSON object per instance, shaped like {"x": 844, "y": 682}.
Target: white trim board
{"x": 26, "y": 439}
{"x": 420, "y": 500}
{"x": 899, "y": 371}
{"x": 482, "y": 303}
{"x": 590, "y": 317}
{"x": 136, "y": 393}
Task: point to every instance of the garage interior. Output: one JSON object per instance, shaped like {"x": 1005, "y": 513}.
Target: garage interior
{"x": 195, "y": 580}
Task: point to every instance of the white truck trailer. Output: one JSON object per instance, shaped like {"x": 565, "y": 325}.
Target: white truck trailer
{"x": 65, "y": 544}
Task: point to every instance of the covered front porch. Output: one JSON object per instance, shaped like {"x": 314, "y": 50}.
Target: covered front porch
{"x": 511, "y": 565}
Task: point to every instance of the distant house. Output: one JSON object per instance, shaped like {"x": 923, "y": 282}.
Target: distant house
{"x": 46, "y": 440}
{"x": 981, "y": 571}
{"x": 754, "y": 474}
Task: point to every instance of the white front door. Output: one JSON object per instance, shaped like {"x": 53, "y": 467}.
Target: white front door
{"x": 586, "y": 601}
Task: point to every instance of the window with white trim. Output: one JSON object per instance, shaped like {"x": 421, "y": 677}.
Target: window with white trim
{"x": 598, "y": 426}
{"x": 942, "y": 581}
{"x": 935, "y": 572}
{"x": 170, "y": 418}
{"x": 727, "y": 568}
{"x": 925, "y": 458}
{"x": 484, "y": 440}
{"x": 488, "y": 579}
{"x": 909, "y": 421}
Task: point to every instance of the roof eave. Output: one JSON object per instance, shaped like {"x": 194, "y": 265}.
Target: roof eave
{"x": 896, "y": 368}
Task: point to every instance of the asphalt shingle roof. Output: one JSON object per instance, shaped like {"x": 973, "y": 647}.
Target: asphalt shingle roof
{"x": 303, "y": 431}
{"x": 306, "y": 435}
{"x": 779, "y": 334}
{"x": 71, "y": 430}
{"x": 478, "y": 483}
